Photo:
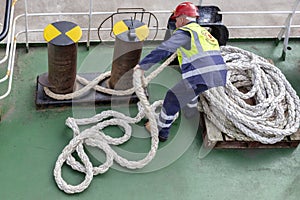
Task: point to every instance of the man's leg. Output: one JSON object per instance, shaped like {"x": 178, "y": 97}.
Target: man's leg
{"x": 191, "y": 109}
{"x": 176, "y": 98}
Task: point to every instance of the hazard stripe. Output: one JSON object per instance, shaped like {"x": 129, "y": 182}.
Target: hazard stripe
{"x": 120, "y": 27}
{"x": 62, "y": 33}
{"x": 121, "y": 30}
{"x": 142, "y": 32}
{"x": 51, "y": 32}
{"x": 74, "y": 34}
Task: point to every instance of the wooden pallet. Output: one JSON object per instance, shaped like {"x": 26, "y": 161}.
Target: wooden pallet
{"x": 214, "y": 138}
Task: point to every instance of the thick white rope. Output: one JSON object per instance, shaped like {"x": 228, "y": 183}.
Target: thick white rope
{"x": 88, "y": 85}
{"x": 95, "y": 137}
{"x": 276, "y": 111}
{"x": 223, "y": 106}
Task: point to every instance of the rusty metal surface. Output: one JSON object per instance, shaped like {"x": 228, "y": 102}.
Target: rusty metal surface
{"x": 62, "y": 62}
{"x": 126, "y": 56}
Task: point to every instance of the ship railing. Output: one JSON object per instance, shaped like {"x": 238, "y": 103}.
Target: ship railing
{"x": 12, "y": 38}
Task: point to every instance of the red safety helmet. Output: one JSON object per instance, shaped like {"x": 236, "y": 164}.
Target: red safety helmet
{"x": 185, "y": 8}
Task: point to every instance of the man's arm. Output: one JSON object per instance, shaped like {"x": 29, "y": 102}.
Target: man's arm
{"x": 167, "y": 48}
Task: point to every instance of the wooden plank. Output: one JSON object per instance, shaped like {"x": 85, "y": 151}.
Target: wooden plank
{"x": 295, "y": 139}
{"x": 215, "y": 134}
{"x": 227, "y": 138}
{"x": 214, "y": 138}
{"x": 295, "y": 136}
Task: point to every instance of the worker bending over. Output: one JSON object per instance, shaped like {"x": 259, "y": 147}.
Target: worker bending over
{"x": 202, "y": 66}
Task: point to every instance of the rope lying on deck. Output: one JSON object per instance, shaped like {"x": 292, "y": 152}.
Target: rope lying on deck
{"x": 276, "y": 110}
{"x": 275, "y": 115}
{"x": 95, "y": 137}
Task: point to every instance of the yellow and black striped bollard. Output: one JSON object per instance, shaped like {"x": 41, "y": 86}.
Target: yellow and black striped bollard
{"x": 62, "y": 38}
{"x": 130, "y": 35}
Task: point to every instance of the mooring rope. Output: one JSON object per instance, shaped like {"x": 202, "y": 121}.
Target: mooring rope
{"x": 276, "y": 111}
{"x": 274, "y": 115}
{"x": 95, "y": 137}
{"x": 88, "y": 85}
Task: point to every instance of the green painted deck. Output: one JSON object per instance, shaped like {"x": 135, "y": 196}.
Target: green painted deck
{"x": 31, "y": 140}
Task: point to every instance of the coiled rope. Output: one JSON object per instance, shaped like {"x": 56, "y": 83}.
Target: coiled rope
{"x": 275, "y": 113}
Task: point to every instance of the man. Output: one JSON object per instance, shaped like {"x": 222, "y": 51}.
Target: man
{"x": 201, "y": 63}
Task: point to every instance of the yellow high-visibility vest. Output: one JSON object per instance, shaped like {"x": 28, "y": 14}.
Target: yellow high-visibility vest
{"x": 201, "y": 42}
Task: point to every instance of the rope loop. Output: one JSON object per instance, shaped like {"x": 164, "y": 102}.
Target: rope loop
{"x": 95, "y": 137}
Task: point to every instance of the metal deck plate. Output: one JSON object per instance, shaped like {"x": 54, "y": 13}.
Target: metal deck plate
{"x": 92, "y": 98}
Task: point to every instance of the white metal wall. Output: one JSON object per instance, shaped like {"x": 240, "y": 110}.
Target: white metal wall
{"x": 232, "y": 21}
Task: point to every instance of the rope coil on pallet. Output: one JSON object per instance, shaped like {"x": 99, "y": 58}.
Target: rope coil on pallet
{"x": 276, "y": 111}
